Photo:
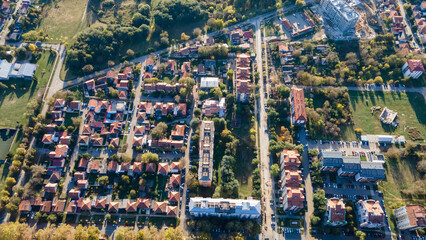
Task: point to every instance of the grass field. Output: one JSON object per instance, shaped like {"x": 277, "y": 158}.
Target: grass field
{"x": 6, "y": 138}
{"x": 63, "y": 19}
{"x": 410, "y": 108}
{"x": 400, "y": 175}
{"x": 14, "y": 99}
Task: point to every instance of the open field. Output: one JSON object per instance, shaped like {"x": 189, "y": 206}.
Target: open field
{"x": 6, "y": 138}
{"x": 14, "y": 99}
{"x": 63, "y": 19}
{"x": 410, "y": 108}
{"x": 400, "y": 175}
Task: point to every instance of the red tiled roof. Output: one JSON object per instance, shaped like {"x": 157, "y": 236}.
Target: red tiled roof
{"x": 46, "y": 206}
{"x": 172, "y": 210}
{"x": 144, "y": 203}
{"x": 163, "y": 168}
{"x": 137, "y": 167}
{"x": 415, "y": 65}
{"x": 179, "y": 130}
{"x": 132, "y": 206}
{"x": 113, "y": 206}
{"x": 160, "y": 207}
{"x": 115, "y": 142}
{"x": 299, "y": 104}
{"x": 112, "y": 166}
{"x": 47, "y": 138}
{"x": 173, "y": 196}
{"x": 95, "y": 166}
{"x": 150, "y": 167}
{"x": 58, "y": 206}
{"x": 25, "y": 205}
{"x": 100, "y": 203}
{"x": 337, "y": 209}
{"x": 86, "y": 204}
{"x": 83, "y": 163}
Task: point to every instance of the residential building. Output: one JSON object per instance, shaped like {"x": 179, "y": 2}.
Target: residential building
{"x": 410, "y": 217}
{"x": 370, "y": 214}
{"x": 8, "y": 70}
{"x": 205, "y": 168}
{"x": 214, "y": 107}
{"x": 207, "y": 83}
{"x": 340, "y": 14}
{"x": 331, "y": 161}
{"x": 225, "y": 208}
{"x": 298, "y": 111}
{"x": 290, "y": 160}
{"x": 413, "y": 68}
{"x": 335, "y": 215}
{"x": 293, "y": 199}
{"x": 370, "y": 172}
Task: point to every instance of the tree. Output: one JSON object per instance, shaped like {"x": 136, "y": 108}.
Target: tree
{"x": 15, "y": 230}
{"x": 300, "y": 3}
{"x": 184, "y": 37}
{"x": 150, "y": 157}
{"x": 197, "y": 112}
{"x": 196, "y": 32}
{"x": 32, "y": 47}
{"x": 130, "y": 53}
{"x": 173, "y": 234}
{"x": 195, "y": 123}
{"x": 125, "y": 233}
{"x": 21, "y": 53}
{"x": 159, "y": 131}
{"x": 87, "y": 69}
{"x": 126, "y": 157}
{"x": 275, "y": 170}
{"x": 216, "y": 92}
{"x": 10, "y": 182}
{"x": 52, "y": 218}
{"x": 283, "y": 91}
{"x": 315, "y": 221}
{"x": 164, "y": 38}
{"x": 360, "y": 235}
{"x": 103, "y": 180}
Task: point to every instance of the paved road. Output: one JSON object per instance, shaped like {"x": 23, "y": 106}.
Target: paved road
{"x": 407, "y": 24}
{"x": 308, "y": 184}
{"x": 135, "y": 111}
{"x": 265, "y": 160}
{"x": 73, "y": 156}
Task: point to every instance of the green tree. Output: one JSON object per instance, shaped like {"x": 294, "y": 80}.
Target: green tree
{"x": 150, "y": 157}
{"x": 159, "y": 131}
{"x": 87, "y": 69}
{"x": 360, "y": 235}
{"x": 103, "y": 181}
{"x": 275, "y": 170}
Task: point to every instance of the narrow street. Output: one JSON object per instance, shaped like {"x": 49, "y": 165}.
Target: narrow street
{"x": 135, "y": 110}
{"x": 308, "y": 184}
{"x": 265, "y": 160}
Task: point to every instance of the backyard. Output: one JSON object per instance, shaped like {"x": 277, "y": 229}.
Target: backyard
{"x": 409, "y": 106}
{"x": 19, "y": 92}
{"x": 63, "y": 20}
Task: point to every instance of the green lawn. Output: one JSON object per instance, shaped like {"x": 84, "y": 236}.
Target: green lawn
{"x": 410, "y": 108}
{"x": 6, "y": 138}
{"x": 63, "y": 19}
{"x": 15, "y": 98}
{"x": 400, "y": 175}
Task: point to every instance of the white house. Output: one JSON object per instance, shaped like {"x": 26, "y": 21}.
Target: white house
{"x": 413, "y": 68}
{"x": 225, "y": 208}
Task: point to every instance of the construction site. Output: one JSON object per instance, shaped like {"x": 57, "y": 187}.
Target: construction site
{"x": 348, "y": 20}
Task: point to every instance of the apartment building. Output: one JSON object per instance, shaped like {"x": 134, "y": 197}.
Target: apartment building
{"x": 340, "y": 14}
{"x": 205, "y": 168}
{"x": 410, "y": 217}
{"x": 351, "y": 166}
{"x": 298, "y": 111}
{"x": 336, "y": 213}
{"x": 370, "y": 214}
{"x": 225, "y": 208}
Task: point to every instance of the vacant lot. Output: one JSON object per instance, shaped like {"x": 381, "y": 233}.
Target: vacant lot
{"x": 14, "y": 99}
{"x": 410, "y": 108}
{"x": 63, "y": 19}
{"x": 400, "y": 175}
{"x": 6, "y": 138}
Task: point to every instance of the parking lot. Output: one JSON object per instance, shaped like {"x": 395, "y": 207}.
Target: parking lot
{"x": 348, "y": 148}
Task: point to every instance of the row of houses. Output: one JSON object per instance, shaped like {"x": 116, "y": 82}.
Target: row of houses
{"x": 242, "y": 78}
{"x": 98, "y": 204}
{"x": 117, "y": 80}
{"x": 292, "y": 195}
